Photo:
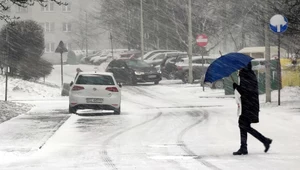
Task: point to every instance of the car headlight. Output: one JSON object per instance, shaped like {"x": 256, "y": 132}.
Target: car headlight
{"x": 138, "y": 73}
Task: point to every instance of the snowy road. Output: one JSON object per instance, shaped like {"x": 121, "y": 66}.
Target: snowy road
{"x": 168, "y": 126}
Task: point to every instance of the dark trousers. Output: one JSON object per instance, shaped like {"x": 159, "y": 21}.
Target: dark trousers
{"x": 245, "y": 127}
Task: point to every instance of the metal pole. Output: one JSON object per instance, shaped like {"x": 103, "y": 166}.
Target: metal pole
{"x": 62, "y": 69}
{"x": 279, "y": 70}
{"x": 6, "y": 84}
{"x": 111, "y": 42}
{"x": 267, "y": 58}
{"x": 202, "y": 71}
{"x": 190, "y": 42}
{"x": 7, "y": 55}
{"x": 142, "y": 31}
{"x": 86, "y": 35}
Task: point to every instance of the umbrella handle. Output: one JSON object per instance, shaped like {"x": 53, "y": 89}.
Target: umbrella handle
{"x": 220, "y": 53}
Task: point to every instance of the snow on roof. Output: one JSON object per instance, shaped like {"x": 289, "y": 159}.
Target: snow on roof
{"x": 96, "y": 72}
{"x": 259, "y": 49}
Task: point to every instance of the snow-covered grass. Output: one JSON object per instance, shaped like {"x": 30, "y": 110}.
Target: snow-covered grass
{"x": 12, "y": 109}
{"x": 19, "y": 89}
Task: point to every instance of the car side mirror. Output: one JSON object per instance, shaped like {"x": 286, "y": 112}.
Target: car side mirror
{"x": 120, "y": 85}
{"x": 71, "y": 84}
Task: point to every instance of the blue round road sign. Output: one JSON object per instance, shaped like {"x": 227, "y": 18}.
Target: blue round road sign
{"x": 278, "y": 23}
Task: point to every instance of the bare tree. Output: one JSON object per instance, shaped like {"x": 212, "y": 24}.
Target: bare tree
{"x": 85, "y": 31}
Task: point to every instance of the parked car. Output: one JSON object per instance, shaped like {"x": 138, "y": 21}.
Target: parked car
{"x": 79, "y": 56}
{"x": 131, "y": 54}
{"x": 132, "y": 71}
{"x": 151, "y": 53}
{"x": 92, "y": 90}
{"x": 199, "y": 69}
{"x": 169, "y": 68}
{"x": 159, "y": 57}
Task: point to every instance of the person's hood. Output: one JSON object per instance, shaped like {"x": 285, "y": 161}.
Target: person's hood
{"x": 247, "y": 68}
{"x": 246, "y": 71}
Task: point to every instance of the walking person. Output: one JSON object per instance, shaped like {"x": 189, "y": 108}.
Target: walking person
{"x": 248, "y": 90}
{"x": 78, "y": 70}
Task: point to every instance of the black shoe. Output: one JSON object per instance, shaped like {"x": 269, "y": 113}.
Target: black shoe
{"x": 267, "y": 144}
{"x": 241, "y": 152}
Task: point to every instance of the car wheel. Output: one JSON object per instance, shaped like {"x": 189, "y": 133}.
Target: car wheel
{"x": 156, "y": 82}
{"x": 171, "y": 76}
{"x": 218, "y": 84}
{"x": 133, "y": 81}
{"x": 117, "y": 111}
{"x": 72, "y": 109}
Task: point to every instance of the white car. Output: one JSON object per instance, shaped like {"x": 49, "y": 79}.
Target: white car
{"x": 93, "y": 90}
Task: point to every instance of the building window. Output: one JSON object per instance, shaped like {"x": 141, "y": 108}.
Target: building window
{"x": 67, "y": 27}
{"x": 21, "y": 9}
{"x": 68, "y": 46}
{"x": 48, "y": 7}
{"x": 50, "y": 47}
{"x": 49, "y": 26}
{"x": 67, "y": 8}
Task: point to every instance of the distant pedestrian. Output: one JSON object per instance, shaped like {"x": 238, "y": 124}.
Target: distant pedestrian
{"x": 78, "y": 70}
{"x": 248, "y": 90}
{"x": 294, "y": 61}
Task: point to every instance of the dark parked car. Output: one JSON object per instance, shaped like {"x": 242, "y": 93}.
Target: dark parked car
{"x": 169, "y": 68}
{"x": 131, "y": 55}
{"x": 198, "y": 70}
{"x": 132, "y": 71}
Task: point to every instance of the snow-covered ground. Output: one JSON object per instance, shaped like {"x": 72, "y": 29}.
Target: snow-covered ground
{"x": 167, "y": 126}
{"x": 19, "y": 89}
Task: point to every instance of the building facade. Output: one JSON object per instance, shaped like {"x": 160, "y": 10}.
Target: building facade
{"x": 62, "y": 23}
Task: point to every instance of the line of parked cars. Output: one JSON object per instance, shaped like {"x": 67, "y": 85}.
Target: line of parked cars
{"x": 177, "y": 67}
{"x": 171, "y": 64}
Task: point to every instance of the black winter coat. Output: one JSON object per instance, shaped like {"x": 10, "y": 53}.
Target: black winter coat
{"x": 248, "y": 89}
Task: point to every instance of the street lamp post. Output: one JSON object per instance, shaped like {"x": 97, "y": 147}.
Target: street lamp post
{"x": 142, "y": 30}
{"x": 6, "y": 63}
{"x": 190, "y": 36}
{"x": 86, "y": 35}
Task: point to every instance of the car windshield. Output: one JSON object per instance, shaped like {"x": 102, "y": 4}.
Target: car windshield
{"x": 137, "y": 63}
{"x": 95, "y": 80}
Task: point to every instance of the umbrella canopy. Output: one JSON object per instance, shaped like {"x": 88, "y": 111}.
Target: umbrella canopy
{"x": 225, "y": 66}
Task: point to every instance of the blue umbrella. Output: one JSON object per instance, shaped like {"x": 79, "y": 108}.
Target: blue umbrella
{"x": 225, "y": 66}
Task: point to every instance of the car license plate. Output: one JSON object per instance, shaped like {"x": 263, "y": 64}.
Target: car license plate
{"x": 152, "y": 76}
{"x": 94, "y": 100}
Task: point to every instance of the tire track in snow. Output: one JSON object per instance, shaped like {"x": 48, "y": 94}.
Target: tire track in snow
{"x": 105, "y": 157}
{"x": 138, "y": 90}
{"x": 185, "y": 147}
